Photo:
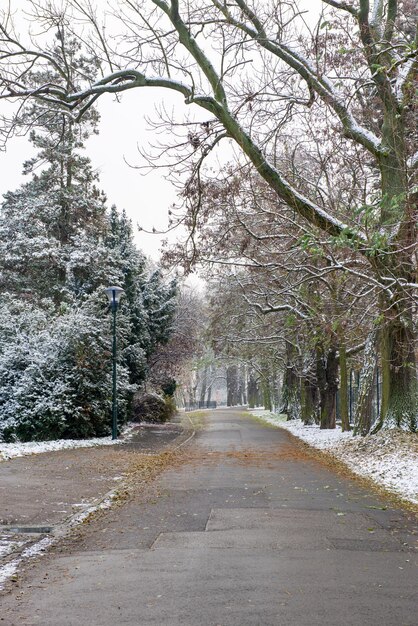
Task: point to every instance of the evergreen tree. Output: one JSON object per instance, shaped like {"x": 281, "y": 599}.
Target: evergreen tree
{"x": 147, "y": 308}
{"x": 52, "y": 228}
{"x": 54, "y": 371}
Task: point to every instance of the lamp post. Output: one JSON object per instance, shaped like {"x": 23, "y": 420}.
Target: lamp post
{"x": 114, "y": 293}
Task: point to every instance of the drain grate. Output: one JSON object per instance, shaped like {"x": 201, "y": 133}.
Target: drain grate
{"x": 29, "y": 530}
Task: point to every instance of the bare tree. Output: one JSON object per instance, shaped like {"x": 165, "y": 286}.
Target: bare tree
{"x": 172, "y": 359}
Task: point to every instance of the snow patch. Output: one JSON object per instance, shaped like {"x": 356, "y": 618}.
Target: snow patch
{"x": 7, "y": 547}
{"x": 18, "y": 449}
{"x": 10, "y": 569}
{"x": 389, "y": 458}
{"x": 37, "y": 548}
{"x": 403, "y": 74}
{"x": 81, "y": 517}
{"x": 7, "y": 571}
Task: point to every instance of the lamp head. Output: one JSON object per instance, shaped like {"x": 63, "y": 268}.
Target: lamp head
{"x": 114, "y": 293}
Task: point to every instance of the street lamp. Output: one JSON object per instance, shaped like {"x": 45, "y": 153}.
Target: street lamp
{"x": 114, "y": 293}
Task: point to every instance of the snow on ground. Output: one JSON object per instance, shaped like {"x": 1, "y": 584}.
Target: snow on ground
{"x": 15, "y": 449}
{"x": 11, "y": 568}
{"x": 8, "y": 570}
{"x": 81, "y": 517}
{"x": 7, "y": 546}
{"x": 389, "y": 458}
{"x": 37, "y": 548}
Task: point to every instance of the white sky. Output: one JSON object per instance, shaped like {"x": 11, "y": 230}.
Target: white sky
{"x": 146, "y": 198}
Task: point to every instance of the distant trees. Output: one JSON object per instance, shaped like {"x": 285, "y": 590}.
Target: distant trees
{"x": 244, "y": 342}
{"x": 174, "y": 359}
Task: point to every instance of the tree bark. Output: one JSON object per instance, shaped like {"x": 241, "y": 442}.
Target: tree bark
{"x": 204, "y": 385}
{"x": 345, "y": 421}
{"x": 363, "y": 411}
{"x": 291, "y": 386}
{"x": 241, "y": 386}
{"x": 397, "y": 349}
{"x": 244, "y": 384}
{"x": 266, "y": 394}
{"x": 309, "y": 401}
{"x": 231, "y": 385}
{"x": 327, "y": 374}
{"x": 252, "y": 391}
{"x": 399, "y": 377}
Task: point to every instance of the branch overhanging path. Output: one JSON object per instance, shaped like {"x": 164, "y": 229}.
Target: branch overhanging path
{"x": 77, "y": 103}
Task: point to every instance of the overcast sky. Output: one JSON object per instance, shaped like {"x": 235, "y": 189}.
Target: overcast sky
{"x": 146, "y": 198}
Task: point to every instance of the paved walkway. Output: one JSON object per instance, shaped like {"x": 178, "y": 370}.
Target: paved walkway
{"x": 247, "y": 531}
{"x": 41, "y": 492}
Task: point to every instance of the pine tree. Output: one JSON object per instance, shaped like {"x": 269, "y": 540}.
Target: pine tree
{"x": 52, "y": 228}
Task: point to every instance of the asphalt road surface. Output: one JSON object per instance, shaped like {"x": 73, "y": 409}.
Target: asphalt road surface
{"x": 247, "y": 530}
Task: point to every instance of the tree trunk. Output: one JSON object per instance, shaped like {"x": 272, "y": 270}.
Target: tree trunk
{"x": 294, "y": 402}
{"x": 399, "y": 373}
{"x": 203, "y": 386}
{"x": 327, "y": 374}
{"x": 345, "y": 421}
{"x": 265, "y": 386}
{"x": 241, "y": 385}
{"x": 276, "y": 391}
{"x": 252, "y": 391}
{"x": 399, "y": 376}
{"x": 231, "y": 385}
{"x": 290, "y": 403}
{"x": 363, "y": 413}
{"x": 309, "y": 401}
{"x": 291, "y": 396}
{"x": 244, "y": 384}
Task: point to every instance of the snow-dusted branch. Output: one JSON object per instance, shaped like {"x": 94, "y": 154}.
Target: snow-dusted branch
{"x": 128, "y": 79}
{"x": 413, "y": 161}
{"x": 316, "y": 82}
{"x": 344, "y": 6}
{"x": 271, "y": 308}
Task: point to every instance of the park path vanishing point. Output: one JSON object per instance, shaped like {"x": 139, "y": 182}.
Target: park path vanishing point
{"x": 247, "y": 530}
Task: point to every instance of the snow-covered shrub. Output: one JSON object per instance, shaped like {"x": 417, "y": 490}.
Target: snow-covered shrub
{"x": 55, "y": 372}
